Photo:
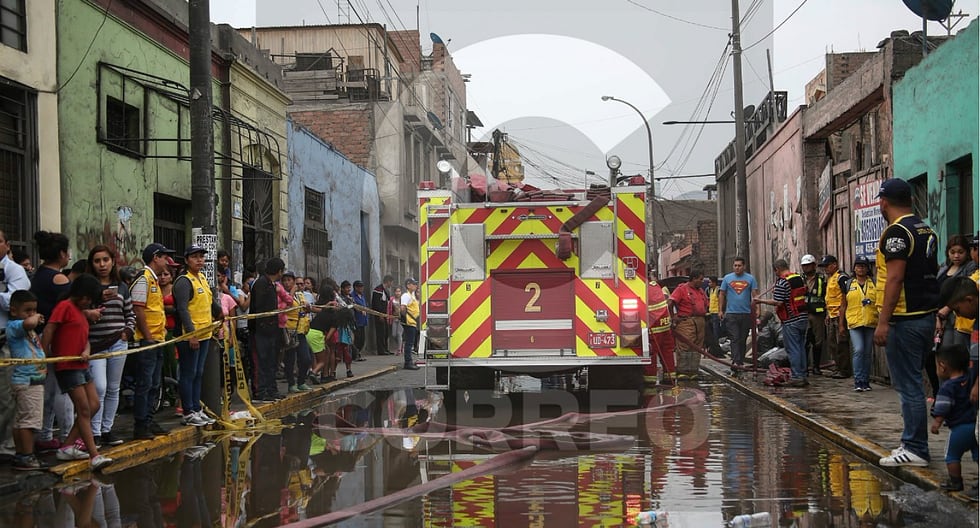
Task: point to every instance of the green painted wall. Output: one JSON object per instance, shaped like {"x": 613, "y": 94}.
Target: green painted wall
{"x": 936, "y": 122}
{"x": 107, "y": 197}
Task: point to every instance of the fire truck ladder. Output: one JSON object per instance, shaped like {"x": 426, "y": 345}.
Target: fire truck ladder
{"x": 438, "y": 212}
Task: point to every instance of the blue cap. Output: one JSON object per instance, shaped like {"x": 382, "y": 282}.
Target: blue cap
{"x": 896, "y": 188}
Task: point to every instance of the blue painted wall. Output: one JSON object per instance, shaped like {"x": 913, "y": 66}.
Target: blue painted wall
{"x": 351, "y": 193}
{"x": 936, "y": 122}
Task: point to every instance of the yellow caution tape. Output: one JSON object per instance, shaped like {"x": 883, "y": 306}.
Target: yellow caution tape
{"x": 7, "y": 362}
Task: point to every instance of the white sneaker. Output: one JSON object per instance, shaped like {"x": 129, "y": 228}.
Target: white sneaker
{"x": 202, "y": 415}
{"x": 71, "y": 452}
{"x": 902, "y": 457}
{"x": 100, "y": 461}
{"x": 194, "y": 419}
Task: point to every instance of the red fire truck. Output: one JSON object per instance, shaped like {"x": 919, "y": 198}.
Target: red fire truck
{"x": 533, "y": 281}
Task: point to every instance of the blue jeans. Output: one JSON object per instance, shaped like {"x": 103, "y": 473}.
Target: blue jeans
{"x": 908, "y": 340}
{"x": 862, "y": 339}
{"x": 191, "y": 374}
{"x": 737, "y": 326}
{"x": 107, "y": 375}
{"x": 408, "y": 338}
{"x": 147, "y": 363}
{"x": 298, "y": 361}
{"x": 794, "y": 338}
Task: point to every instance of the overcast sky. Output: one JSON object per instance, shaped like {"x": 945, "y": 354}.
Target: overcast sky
{"x": 539, "y": 67}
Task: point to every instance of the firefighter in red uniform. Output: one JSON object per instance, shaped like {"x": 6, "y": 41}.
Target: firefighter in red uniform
{"x": 661, "y": 339}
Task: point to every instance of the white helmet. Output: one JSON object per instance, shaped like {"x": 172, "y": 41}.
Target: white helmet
{"x": 808, "y": 259}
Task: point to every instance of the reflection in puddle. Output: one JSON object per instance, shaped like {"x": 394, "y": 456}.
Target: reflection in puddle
{"x": 703, "y": 464}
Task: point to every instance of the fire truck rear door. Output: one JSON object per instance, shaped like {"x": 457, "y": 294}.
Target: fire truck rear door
{"x": 533, "y": 310}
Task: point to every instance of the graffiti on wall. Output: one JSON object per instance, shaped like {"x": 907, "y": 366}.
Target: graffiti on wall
{"x": 783, "y": 225}
{"x": 935, "y": 212}
{"x": 117, "y": 234}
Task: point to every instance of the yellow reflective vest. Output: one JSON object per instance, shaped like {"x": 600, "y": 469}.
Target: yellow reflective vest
{"x": 156, "y": 318}
{"x": 200, "y": 305}
{"x": 861, "y": 307}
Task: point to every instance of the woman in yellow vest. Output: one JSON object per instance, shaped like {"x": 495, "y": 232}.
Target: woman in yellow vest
{"x": 194, "y": 302}
{"x": 860, "y": 315}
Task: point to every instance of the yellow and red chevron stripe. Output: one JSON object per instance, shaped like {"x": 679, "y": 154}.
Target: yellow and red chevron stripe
{"x": 506, "y": 225}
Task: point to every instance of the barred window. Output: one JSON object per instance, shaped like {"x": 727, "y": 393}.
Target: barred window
{"x": 18, "y": 170}
{"x": 13, "y": 24}
{"x": 170, "y": 221}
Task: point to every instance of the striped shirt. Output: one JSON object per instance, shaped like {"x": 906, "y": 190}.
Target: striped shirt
{"x": 783, "y": 293}
{"x": 117, "y": 314}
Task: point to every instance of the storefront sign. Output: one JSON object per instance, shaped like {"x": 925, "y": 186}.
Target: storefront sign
{"x": 826, "y": 193}
{"x": 868, "y": 222}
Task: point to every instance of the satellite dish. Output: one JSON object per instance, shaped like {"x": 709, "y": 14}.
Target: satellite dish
{"x": 749, "y": 111}
{"x": 436, "y": 39}
{"x": 444, "y": 167}
{"x": 937, "y": 10}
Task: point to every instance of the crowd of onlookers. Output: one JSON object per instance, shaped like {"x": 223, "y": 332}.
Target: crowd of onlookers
{"x": 922, "y": 313}
{"x": 95, "y": 306}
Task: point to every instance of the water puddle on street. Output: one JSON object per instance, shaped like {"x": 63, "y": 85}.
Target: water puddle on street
{"x": 705, "y": 454}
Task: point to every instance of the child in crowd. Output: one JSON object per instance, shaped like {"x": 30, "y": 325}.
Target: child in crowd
{"x": 27, "y": 380}
{"x": 66, "y": 335}
{"x": 953, "y": 408}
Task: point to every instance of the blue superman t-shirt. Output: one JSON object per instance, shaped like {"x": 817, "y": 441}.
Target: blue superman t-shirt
{"x": 738, "y": 292}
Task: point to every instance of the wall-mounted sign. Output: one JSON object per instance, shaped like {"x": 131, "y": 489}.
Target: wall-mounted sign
{"x": 868, "y": 222}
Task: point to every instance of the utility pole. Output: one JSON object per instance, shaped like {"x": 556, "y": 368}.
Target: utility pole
{"x": 741, "y": 187}
{"x": 202, "y": 130}
{"x": 202, "y": 166}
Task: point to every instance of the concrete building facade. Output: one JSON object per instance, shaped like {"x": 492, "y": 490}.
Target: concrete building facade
{"x": 29, "y": 157}
{"x": 937, "y": 134}
{"x": 371, "y": 94}
{"x": 335, "y": 203}
{"x": 848, "y": 139}
{"x": 125, "y": 132}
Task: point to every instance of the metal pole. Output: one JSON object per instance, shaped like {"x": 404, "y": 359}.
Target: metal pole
{"x": 651, "y": 185}
{"x": 202, "y": 159}
{"x": 741, "y": 187}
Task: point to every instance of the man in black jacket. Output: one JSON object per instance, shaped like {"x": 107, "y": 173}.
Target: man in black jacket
{"x": 265, "y": 330}
{"x": 379, "y": 303}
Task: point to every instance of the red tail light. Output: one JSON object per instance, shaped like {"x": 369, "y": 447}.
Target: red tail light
{"x": 439, "y": 306}
{"x": 629, "y": 317}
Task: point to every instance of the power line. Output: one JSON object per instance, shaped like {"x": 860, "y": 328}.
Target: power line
{"x": 753, "y": 9}
{"x": 393, "y": 10}
{"x": 777, "y": 27}
{"x": 672, "y": 17}
{"x": 105, "y": 17}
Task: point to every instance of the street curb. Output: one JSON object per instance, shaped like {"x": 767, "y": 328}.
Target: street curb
{"x": 134, "y": 453}
{"x": 843, "y": 437}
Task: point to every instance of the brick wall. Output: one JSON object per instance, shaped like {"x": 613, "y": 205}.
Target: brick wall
{"x": 350, "y": 129}
{"x": 708, "y": 246}
{"x": 407, "y": 43}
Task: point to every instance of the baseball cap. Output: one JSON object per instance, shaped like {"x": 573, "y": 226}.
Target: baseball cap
{"x": 896, "y": 188}
{"x": 861, "y": 259}
{"x": 976, "y": 240}
{"x": 155, "y": 249}
{"x": 192, "y": 249}
{"x": 808, "y": 259}
{"x": 827, "y": 260}
{"x": 411, "y": 281}
{"x": 289, "y": 273}
{"x": 358, "y": 283}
